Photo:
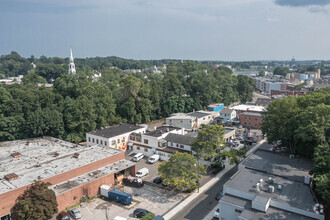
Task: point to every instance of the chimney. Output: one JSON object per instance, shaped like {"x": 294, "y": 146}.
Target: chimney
{"x": 16, "y": 155}
{"x": 76, "y": 155}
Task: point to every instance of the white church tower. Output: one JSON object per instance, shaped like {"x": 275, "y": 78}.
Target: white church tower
{"x": 72, "y": 68}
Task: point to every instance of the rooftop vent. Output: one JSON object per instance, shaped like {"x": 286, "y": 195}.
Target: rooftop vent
{"x": 16, "y": 155}
{"x": 11, "y": 176}
{"x": 271, "y": 189}
{"x": 27, "y": 143}
{"x": 56, "y": 154}
{"x": 76, "y": 155}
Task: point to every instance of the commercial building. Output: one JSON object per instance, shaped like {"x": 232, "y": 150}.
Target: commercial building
{"x": 251, "y": 120}
{"x": 191, "y": 120}
{"x": 217, "y": 107}
{"x": 248, "y": 108}
{"x": 263, "y": 102}
{"x": 270, "y": 185}
{"x": 115, "y": 136}
{"x": 154, "y": 142}
{"x": 75, "y": 172}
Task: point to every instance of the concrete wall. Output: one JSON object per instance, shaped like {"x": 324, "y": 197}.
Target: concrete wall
{"x": 229, "y": 211}
{"x": 181, "y": 123}
{"x": 11, "y": 196}
{"x": 176, "y": 145}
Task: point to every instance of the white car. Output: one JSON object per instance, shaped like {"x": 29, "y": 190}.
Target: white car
{"x": 153, "y": 159}
{"x": 216, "y": 213}
{"x": 138, "y": 157}
{"x": 142, "y": 172}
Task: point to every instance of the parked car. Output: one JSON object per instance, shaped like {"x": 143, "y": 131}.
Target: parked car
{"x": 153, "y": 159}
{"x": 75, "y": 213}
{"x": 138, "y": 157}
{"x": 216, "y": 214}
{"x": 133, "y": 181}
{"x": 158, "y": 180}
{"x": 139, "y": 213}
{"x": 218, "y": 196}
{"x": 64, "y": 216}
{"x": 142, "y": 172}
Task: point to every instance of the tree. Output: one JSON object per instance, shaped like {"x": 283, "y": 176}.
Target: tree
{"x": 245, "y": 88}
{"x": 209, "y": 141}
{"x": 149, "y": 216}
{"x": 281, "y": 71}
{"x": 261, "y": 73}
{"x": 181, "y": 171}
{"x": 37, "y": 202}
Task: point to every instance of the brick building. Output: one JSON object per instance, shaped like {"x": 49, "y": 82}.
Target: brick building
{"x": 74, "y": 171}
{"x": 287, "y": 92}
{"x": 251, "y": 120}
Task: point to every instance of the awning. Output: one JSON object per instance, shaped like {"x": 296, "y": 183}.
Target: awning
{"x": 130, "y": 144}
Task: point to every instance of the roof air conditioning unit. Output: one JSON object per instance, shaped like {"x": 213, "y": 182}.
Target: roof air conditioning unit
{"x": 279, "y": 187}
{"x": 258, "y": 187}
{"x": 271, "y": 189}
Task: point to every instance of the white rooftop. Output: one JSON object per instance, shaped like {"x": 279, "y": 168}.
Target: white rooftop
{"x": 249, "y": 107}
{"x": 38, "y": 160}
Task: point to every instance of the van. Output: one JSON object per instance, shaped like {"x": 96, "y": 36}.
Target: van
{"x": 142, "y": 172}
{"x": 153, "y": 159}
{"x": 138, "y": 157}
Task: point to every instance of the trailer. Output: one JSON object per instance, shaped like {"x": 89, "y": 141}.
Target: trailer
{"x": 120, "y": 197}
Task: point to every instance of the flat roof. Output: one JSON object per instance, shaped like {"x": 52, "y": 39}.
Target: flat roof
{"x": 249, "y": 107}
{"x": 181, "y": 116}
{"x": 279, "y": 164}
{"x": 253, "y": 214}
{"x": 91, "y": 176}
{"x": 252, "y": 114}
{"x": 198, "y": 114}
{"x": 293, "y": 193}
{"x": 180, "y": 139}
{"x": 161, "y": 130}
{"x": 115, "y": 130}
{"x": 38, "y": 160}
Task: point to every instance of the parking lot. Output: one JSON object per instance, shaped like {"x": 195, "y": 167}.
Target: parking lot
{"x": 154, "y": 199}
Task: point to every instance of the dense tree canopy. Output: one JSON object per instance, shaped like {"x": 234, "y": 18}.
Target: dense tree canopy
{"x": 303, "y": 126}
{"x": 101, "y": 94}
{"x": 36, "y": 203}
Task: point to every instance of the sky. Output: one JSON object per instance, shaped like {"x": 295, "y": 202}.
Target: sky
{"x": 228, "y": 30}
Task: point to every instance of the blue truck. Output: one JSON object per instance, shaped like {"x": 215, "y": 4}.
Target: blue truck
{"x": 120, "y": 197}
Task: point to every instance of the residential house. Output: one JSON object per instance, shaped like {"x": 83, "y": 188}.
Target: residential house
{"x": 227, "y": 114}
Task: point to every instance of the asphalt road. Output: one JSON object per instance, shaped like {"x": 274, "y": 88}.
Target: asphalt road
{"x": 205, "y": 202}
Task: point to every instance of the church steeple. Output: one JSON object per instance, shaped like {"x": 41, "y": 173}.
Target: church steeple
{"x": 72, "y": 68}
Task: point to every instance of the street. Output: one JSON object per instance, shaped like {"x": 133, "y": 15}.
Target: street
{"x": 205, "y": 202}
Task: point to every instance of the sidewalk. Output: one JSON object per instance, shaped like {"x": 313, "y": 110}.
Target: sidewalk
{"x": 189, "y": 199}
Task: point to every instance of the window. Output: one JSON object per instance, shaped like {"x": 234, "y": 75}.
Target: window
{"x": 138, "y": 148}
{"x": 97, "y": 141}
{"x": 118, "y": 141}
{"x": 209, "y": 117}
{"x": 138, "y": 139}
{"x": 177, "y": 145}
{"x": 171, "y": 144}
{"x": 237, "y": 210}
{"x": 181, "y": 146}
{"x": 146, "y": 149}
{"x": 89, "y": 139}
{"x": 124, "y": 139}
{"x": 181, "y": 121}
{"x": 105, "y": 143}
{"x": 132, "y": 138}
{"x": 170, "y": 120}
{"x": 256, "y": 119}
{"x": 93, "y": 140}
{"x": 146, "y": 141}
{"x": 101, "y": 142}
{"x": 113, "y": 142}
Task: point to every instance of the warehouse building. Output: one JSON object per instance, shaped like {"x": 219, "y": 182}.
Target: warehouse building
{"x": 75, "y": 172}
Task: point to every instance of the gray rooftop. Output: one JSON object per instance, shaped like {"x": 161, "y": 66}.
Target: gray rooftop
{"x": 91, "y": 176}
{"x": 279, "y": 164}
{"x": 198, "y": 114}
{"x": 263, "y": 101}
{"x": 251, "y": 114}
{"x": 38, "y": 159}
{"x": 115, "y": 130}
{"x": 252, "y": 214}
{"x": 227, "y": 111}
{"x": 295, "y": 194}
{"x": 161, "y": 130}
{"x": 180, "y": 139}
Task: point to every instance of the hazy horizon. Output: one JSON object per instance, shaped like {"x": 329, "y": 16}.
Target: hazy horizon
{"x": 209, "y": 30}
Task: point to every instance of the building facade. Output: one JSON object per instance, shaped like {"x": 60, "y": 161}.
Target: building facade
{"x": 227, "y": 114}
{"x": 251, "y": 120}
